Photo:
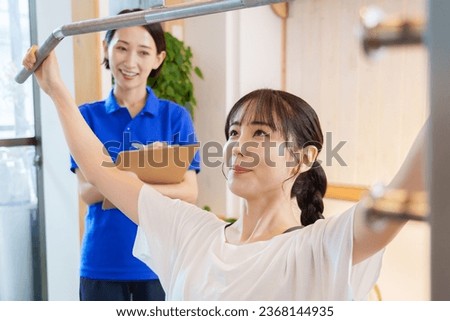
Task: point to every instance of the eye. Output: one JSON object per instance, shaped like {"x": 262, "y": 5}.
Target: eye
{"x": 232, "y": 133}
{"x": 260, "y": 133}
{"x": 144, "y": 53}
{"x": 121, "y": 48}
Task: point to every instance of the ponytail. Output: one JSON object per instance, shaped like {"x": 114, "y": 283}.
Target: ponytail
{"x": 309, "y": 189}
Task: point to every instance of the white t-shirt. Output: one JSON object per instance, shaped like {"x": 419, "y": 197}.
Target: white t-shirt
{"x": 187, "y": 249}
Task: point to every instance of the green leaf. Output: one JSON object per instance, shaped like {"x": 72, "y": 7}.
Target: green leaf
{"x": 175, "y": 80}
{"x": 170, "y": 91}
{"x": 198, "y": 72}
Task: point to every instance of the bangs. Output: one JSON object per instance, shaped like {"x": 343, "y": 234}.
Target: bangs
{"x": 261, "y": 107}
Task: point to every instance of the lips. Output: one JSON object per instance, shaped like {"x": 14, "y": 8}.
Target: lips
{"x": 240, "y": 170}
{"x": 128, "y": 73}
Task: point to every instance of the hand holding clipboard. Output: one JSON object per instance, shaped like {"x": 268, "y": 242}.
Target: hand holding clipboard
{"x": 156, "y": 164}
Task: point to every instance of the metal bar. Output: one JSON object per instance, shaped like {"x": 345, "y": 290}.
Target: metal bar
{"x": 137, "y": 19}
{"x": 438, "y": 42}
{"x": 38, "y": 232}
{"x": 15, "y": 142}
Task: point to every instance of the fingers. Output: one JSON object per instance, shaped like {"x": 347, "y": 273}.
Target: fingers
{"x": 30, "y": 58}
{"x": 33, "y": 49}
{"x": 158, "y": 144}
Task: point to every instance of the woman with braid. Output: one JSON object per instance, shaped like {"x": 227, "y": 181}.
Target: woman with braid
{"x": 273, "y": 140}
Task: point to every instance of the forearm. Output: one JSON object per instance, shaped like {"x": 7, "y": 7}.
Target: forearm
{"x": 411, "y": 175}
{"x": 88, "y": 154}
{"x": 90, "y": 194}
{"x": 187, "y": 190}
{"x": 410, "y": 179}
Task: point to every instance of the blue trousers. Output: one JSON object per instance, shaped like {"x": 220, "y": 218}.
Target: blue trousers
{"x": 104, "y": 290}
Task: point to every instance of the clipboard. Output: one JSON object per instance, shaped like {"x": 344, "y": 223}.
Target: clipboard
{"x": 165, "y": 164}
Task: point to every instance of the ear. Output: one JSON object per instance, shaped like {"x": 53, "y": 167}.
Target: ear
{"x": 105, "y": 49}
{"x": 159, "y": 59}
{"x": 308, "y": 157}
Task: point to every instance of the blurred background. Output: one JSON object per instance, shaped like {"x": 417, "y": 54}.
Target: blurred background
{"x": 370, "y": 109}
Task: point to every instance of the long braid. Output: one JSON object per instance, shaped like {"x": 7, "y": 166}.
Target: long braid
{"x": 309, "y": 190}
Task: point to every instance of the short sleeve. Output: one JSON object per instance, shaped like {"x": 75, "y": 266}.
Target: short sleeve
{"x": 339, "y": 279}
{"x": 186, "y": 135}
{"x": 166, "y": 227}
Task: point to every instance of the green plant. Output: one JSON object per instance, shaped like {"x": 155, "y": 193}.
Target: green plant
{"x": 175, "y": 80}
{"x": 230, "y": 219}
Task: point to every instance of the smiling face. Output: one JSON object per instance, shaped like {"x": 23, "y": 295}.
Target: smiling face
{"x": 132, "y": 55}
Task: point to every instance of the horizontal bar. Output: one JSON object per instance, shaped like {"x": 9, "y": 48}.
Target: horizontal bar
{"x": 378, "y": 32}
{"x": 376, "y": 220}
{"x": 16, "y": 142}
{"x": 405, "y": 33}
{"x": 153, "y": 15}
{"x": 352, "y": 193}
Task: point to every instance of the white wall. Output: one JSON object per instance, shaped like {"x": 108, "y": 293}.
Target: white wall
{"x": 259, "y": 50}
{"x": 206, "y": 35}
{"x": 61, "y": 202}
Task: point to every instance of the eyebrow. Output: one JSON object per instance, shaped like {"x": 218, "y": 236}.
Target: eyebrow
{"x": 260, "y": 123}
{"x": 255, "y": 122}
{"x": 127, "y": 43}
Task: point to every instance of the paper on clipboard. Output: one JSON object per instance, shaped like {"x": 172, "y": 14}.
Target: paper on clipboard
{"x": 156, "y": 165}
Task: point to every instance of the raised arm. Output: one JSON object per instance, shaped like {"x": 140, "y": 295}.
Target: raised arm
{"x": 114, "y": 184}
{"x": 410, "y": 178}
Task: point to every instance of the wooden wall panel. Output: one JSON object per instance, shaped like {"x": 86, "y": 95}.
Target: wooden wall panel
{"x": 375, "y": 106}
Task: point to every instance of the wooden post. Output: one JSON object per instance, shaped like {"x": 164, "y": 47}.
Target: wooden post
{"x": 282, "y": 11}
{"x": 87, "y": 56}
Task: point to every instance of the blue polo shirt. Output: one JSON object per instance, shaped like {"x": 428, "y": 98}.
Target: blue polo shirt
{"x": 106, "y": 251}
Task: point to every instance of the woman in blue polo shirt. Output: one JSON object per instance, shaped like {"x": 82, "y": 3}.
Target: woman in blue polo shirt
{"x": 130, "y": 114}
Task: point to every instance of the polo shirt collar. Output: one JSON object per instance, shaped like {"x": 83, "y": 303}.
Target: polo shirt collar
{"x": 151, "y": 106}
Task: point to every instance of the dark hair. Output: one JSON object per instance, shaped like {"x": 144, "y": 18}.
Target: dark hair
{"x": 154, "y": 29}
{"x": 300, "y": 126}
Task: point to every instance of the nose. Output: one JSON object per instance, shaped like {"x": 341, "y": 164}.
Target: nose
{"x": 130, "y": 59}
{"x": 231, "y": 151}
{"x": 236, "y": 148}
{"x": 239, "y": 147}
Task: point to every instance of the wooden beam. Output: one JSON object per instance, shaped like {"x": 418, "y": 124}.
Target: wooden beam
{"x": 87, "y": 55}
{"x": 282, "y": 11}
{"x": 346, "y": 192}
